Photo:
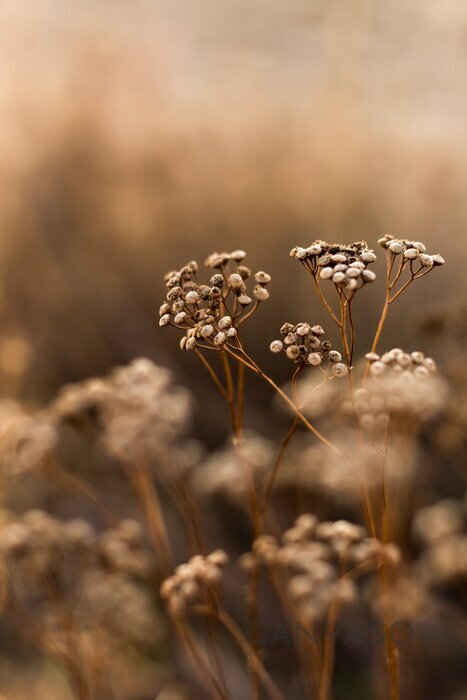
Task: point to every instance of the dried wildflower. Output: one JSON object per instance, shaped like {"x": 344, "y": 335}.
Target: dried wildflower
{"x": 313, "y": 559}
{"x": 138, "y": 622}
{"x": 344, "y": 265}
{"x": 227, "y": 471}
{"x": 442, "y": 519}
{"x": 303, "y": 344}
{"x": 404, "y": 385}
{"x": 211, "y": 313}
{"x": 411, "y": 251}
{"x": 37, "y": 544}
{"x": 28, "y": 443}
{"x": 137, "y": 409}
{"x": 95, "y": 574}
{"x": 444, "y": 561}
{"x": 193, "y": 582}
{"x": 396, "y": 360}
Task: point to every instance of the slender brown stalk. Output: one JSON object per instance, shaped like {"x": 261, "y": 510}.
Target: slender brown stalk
{"x": 240, "y": 392}
{"x": 282, "y": 449}
{"x": 250, "y": 654}
{"x": 272, "y": 479}
{"x": 77, "y": 486}
{"x": 324, "y": 301}
{"x": 201, "y": 664}
{"x": 254, "y": 367}
{"x": 212, "y": 373}
{"x": 252, "y": 602}
{"x": 328, "y": 652}
{"x": 392, "y": 654}
{"x": 148, "y": 498}
{"x": 343, "y": 327}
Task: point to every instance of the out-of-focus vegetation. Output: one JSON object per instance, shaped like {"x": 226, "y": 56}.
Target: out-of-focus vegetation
{"x": 137, "y": 136}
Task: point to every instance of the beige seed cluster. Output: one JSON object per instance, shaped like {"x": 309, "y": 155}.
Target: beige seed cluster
{"x": 222, "y": 473}
{"x": 193, "y": 582}
{"x": 314, "y": 557}
{"x": 138, "y": 411}
{"x": 404, "y": 385}
{"x": 210, "y": 313}
{"x": 27, "y": 443}
{"x": 396, "y": 361}
{"x": 441, "y": 528}
{"x": 304, "y": 345}
{"x": 48, "y": 562}
{"x": 37, "y": 544}
{"x": 346, "y": 266}
{"x": 411, "y": 252}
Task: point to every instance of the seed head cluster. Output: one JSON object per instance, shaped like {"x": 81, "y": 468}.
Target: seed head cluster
{"x": 222, "y": 473}
{"x": 304, "y": 345}
{"x": 37, "y": 545}
{"x": 193, "y": 582}
{"x": 314, "y": 557}
{"x": 139, "y": 413}
{"x": 346, "y": 266}
{"x": 404, "y": 384}
{"x": 411, "y": 251}
{"x": 441, "y": 529}
{"x": 52, "y": 563}
{"x": 210, "y": 313}
{"x": 397, "y": 362}
{"x": 27, "y": 443}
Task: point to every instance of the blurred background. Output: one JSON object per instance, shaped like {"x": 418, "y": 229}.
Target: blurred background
{"x": 138, "y": 135}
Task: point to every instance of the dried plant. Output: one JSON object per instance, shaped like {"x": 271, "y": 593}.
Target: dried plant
{"x": 352, "y": 445}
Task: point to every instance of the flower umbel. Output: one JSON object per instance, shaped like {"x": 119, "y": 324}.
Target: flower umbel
{"x": 211, "y": 313}
{"x": 346, "y": 266}
{"x": 304, "y": 345}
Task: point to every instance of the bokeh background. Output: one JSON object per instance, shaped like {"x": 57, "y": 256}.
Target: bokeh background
{"x": 137, "y": 135}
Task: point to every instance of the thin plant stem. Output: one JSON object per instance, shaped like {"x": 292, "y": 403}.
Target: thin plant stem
{"x": 148, "y": 499}
{"x": 328, "y": 652}
{"x": 252, "y": 601}
{"x": 247, "y": 315}
{"x": 392, "y": 653}
{"x": 275, "y": 470}
{"x": 323, "y": 299}
{"x": 290, "y": 433}
{"x": 200, "y": 662}
{"x": 74, "y": 484}
{"x": 343, "y": 327}
{"x": 212, "y": 373}
{"x": 254, "y": 367}
{"x": 379, "y": 330}
{"x": 250, "y": 654}
{"x": 231, "y": 395}
{"x": 352, "y": 336}
{"x": 240, "y": 392}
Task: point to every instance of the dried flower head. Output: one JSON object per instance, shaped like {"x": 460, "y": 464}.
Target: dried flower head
{"x": 51, "y": 562}
{"x": 209, "y": 314}
{"x": 314, "y": 558}
{"x": 346, "y": 266}
{"x": 304, "y": 345}
{"x": 228, "y": 472}
{"x": 404, "y": 384}
{"x": 28, "y": 442}
{"x": 193, "y": 582}
{"x": 140, "y": 414}
{"x": 411, "y": 252}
